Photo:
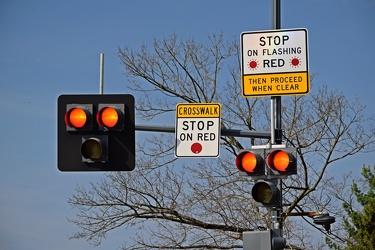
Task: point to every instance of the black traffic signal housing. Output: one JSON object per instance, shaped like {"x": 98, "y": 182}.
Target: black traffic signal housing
{"x": 96, "y": 133}
{"x": 266, "y": 166}
{"x": 251, "y": 162}
{"x": 256, "y": 162}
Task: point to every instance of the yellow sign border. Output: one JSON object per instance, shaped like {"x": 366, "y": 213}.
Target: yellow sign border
{"x": 296, "y": 83}
{"x": 196, "y": 110}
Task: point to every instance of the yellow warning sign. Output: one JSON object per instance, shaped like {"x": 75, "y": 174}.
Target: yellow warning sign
{"x": 276, "y": 84}
{"x": 206, "y": 110}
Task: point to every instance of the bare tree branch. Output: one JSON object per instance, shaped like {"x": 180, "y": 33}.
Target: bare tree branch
{"x": 206, "y": 204}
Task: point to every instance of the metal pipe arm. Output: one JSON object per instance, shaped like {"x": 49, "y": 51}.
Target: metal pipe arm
{"x": 224, "y": 132}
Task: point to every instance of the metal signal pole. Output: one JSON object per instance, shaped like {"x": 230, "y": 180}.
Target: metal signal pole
{"x": 276, "y": 100}
{"x": 101, "y": 77}
{"x": 276, "y": 213}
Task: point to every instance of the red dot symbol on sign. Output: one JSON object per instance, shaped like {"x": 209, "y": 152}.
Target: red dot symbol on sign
{"x": 196, "y": 148}
{"x": 253, "y": 64}
{"x": 295, "y": 62}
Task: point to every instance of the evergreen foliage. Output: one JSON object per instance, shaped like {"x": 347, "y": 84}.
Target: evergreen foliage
{"x": 360, "y": 225}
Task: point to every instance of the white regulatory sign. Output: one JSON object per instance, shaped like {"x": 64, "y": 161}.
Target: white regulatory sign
{"x": 275, "y": 63}
{"x": 198, "y": 130}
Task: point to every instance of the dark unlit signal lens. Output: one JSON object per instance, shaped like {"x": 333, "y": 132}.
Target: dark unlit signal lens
{"x": 92, "y": 149}
{"x": 264, "y": 192}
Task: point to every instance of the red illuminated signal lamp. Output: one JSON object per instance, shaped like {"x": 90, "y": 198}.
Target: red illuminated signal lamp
{"x": 78, "y": 117}
{"x": 282, "y": 161}
{"x": 111, "y": 117}
{"x": 250, "y": 162}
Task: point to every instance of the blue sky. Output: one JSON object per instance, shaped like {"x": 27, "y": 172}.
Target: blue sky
{"x": 51, "y": 47}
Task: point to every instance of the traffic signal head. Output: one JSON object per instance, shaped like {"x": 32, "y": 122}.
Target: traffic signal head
{"x": 282, "y": 161}
{"x": 251, "y": 162}
{"x": 96, "y": 133}
{"x": 269, "y": 239}
{"x": 267, "y": 192}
